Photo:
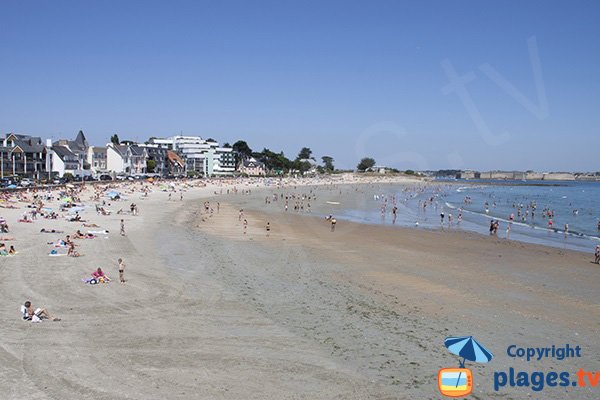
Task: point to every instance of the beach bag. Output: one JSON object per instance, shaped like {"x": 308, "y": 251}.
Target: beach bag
{"x": 93, "y": 282}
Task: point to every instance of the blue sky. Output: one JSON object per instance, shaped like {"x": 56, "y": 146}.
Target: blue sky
{"x": 346, "y": 78}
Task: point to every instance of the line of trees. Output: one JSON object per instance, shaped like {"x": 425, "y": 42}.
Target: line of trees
{"x": 279, "y": 163}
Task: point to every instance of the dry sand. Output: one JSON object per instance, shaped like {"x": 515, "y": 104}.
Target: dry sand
{"x": 211, "y": 313}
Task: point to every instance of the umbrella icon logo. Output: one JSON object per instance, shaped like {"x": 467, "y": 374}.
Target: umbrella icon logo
{"x": 458, "y": 382}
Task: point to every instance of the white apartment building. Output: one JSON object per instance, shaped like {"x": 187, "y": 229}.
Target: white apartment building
{"x": 202, "y": 156}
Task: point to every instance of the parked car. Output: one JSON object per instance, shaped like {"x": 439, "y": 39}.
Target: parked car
{"x": 106, "y": 178}
{"x": 89, "y": 178}
{"x": 26, "y": 182}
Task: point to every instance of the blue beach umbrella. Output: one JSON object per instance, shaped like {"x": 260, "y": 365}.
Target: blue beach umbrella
{"x": 468, "y": 348}
{"x": 112, "y": 194}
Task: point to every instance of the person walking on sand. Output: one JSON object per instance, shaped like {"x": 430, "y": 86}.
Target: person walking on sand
{"x": 245, "y": 225}
{"x": 121, "y": 270}
{"x": 333, "y": 222}
{"x": 597, "y": 255}
{"x": 122, "y": 228}
{"x": 268, "y": 228}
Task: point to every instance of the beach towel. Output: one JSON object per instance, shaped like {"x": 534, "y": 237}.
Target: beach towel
{"x": 103, "y": 232}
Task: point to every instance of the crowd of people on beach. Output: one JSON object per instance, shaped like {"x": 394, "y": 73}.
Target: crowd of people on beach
{"x": 68, "y": 204}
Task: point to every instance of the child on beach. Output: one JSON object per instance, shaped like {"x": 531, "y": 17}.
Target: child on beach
{"x": 121, "y": 271}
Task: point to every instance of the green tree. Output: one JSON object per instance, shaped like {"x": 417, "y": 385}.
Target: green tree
{"x": 328, "y": 163}
{"x": 150, "y": 165}
{"x": 272, "y": 160}
{"x": 227, "y": 145}
{"x": 305, "y": 153}
{"x": 68, "y": 176}
{"x": 115, "y": 139}
{"x": 301, "y": 166}
{"x": 365, "y": 164}
{"x": 242, "y": 148}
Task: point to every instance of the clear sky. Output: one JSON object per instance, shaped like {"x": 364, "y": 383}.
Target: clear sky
{"x": 345, "y": 78}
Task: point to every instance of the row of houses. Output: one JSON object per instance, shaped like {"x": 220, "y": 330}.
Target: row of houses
{"x": 29, "y": 156}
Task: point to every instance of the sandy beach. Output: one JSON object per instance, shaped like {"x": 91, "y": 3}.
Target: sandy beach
{"x": 211, "y": 312}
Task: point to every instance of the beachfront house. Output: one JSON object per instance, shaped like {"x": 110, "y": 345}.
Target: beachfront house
{"x": 64, "y": 161}
{"x": 117, "y": 160}
{"x": 96, "y": 158}
{"x": 252, "y": 167}
{"x": 126, "y": 159}
{"x": 139, "y": 158}
{"x": 175, "y": 164}
{"x": 157, "y": 156}
{"x": 23, "y": 155}
{"x": 79, "y": 147}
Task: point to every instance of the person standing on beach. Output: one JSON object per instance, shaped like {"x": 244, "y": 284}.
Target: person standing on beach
{"x": 121, "y": 271}
{"x": 122, "y": 228}
{"x": 333, "y": 222}
{"x": 245, "y": 225}
{"x": 597, "y": 255}
{"x": 268, "y": 228}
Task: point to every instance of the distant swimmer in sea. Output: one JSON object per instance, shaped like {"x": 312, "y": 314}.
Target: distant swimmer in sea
{"x": 442, "y": 215}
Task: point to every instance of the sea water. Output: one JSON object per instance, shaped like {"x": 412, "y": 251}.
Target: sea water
{"x": 574, "y": 203}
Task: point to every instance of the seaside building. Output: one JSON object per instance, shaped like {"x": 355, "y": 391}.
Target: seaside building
{"x": 158, "y": 155}
{"x": 204, "y": 157}
{"x": 64, "y": 161}
{"x": 79, "y": 147}
{"x": 175, "y": 164}
{"x": 126, "y": 159}
{"x": 252, "y": 167}
{"x": 23, "y": 155}
{"x": 96, "y": 158}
